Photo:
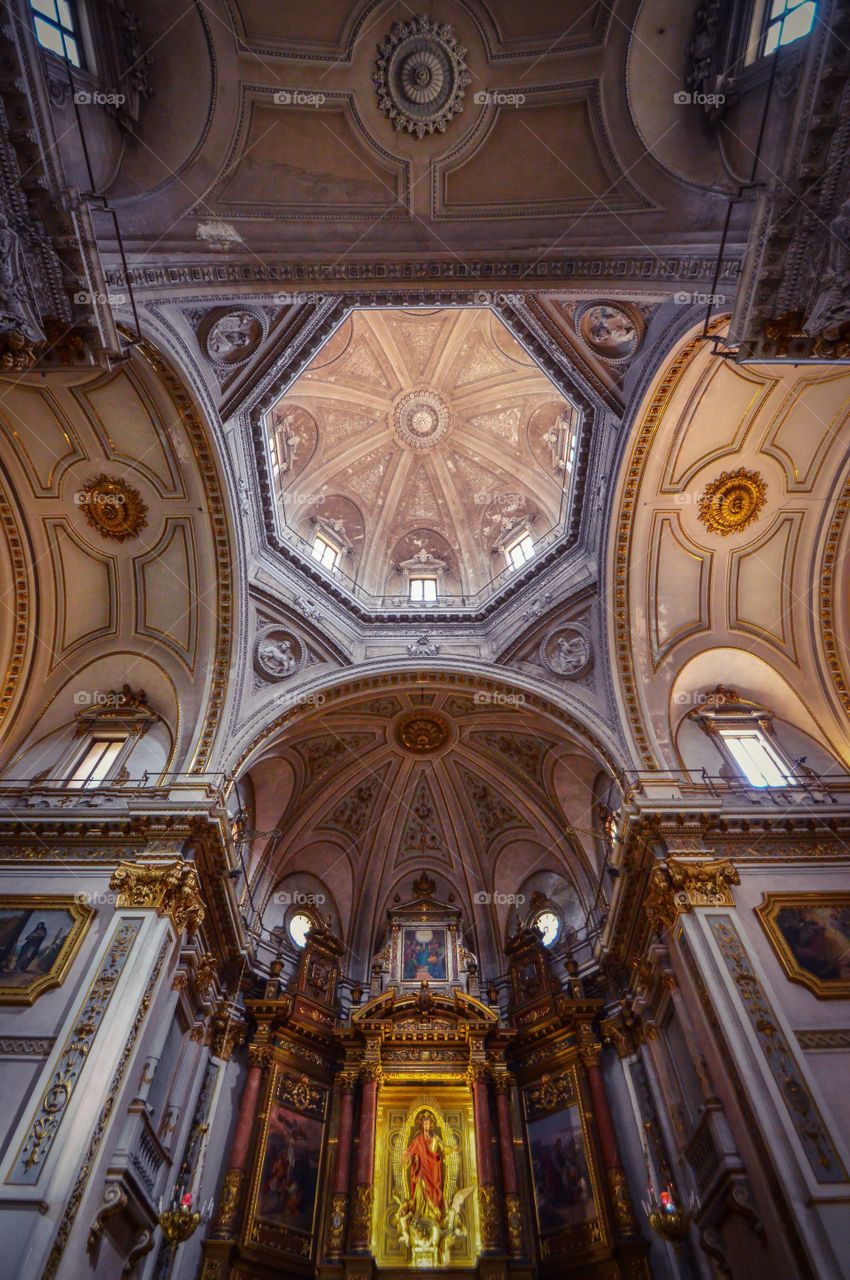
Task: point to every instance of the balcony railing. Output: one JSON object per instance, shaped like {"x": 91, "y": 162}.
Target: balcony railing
{"x": 802, "y": 789}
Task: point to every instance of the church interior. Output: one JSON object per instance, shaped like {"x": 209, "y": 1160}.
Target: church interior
{"x": 424, "y": 822}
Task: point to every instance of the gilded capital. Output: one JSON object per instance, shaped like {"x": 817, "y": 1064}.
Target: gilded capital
{"x": 170, "y": 888}
{"x": 680, "y": 884}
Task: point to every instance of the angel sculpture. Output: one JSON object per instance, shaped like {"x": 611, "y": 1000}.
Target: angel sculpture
{"x": 428, "y": 1214}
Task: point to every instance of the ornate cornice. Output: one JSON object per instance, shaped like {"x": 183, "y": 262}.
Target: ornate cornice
{"x": 171, "y": 888}
{"x": 680, "y": 884}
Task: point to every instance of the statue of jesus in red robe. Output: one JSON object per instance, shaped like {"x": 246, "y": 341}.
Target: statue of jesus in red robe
{"x": 424, "y": 1157}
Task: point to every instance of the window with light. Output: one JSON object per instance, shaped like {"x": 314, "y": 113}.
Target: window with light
{"x": 786, "y": 21}
{"x": 325, "y": 552}
{"x": 423, "y": 590}
{"x": 56, "y": 29}
{"x": 520, "y": 551}
{"x": 756, "y": 757}
{"x": 299, "y": 926}
{"x": 95, "y": 764}
{"x": 548, "y": 924}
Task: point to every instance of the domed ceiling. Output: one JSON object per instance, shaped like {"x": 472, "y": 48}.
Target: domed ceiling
{"x": 422, "y": 437}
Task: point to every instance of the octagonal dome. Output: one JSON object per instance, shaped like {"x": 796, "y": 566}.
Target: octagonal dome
{"x": 422, "y": 457}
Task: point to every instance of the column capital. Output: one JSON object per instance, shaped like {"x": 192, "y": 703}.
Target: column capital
{"x": 171, "y": 888}
{"x": 679, "y": 884}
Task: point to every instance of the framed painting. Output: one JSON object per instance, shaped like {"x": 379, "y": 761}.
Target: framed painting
{"x": 424, "y": 954}
{"x": 290, "y": 1173}
{"x": 39, "y": 937}
{"x": 564, "y": 1196}
{"x": 810, "y": 933}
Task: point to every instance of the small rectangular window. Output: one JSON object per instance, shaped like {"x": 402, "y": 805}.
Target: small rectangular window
{"x": 423, "y": 590}
{"x": 787, "y": 21}
{"x": 56, "y": 28}
{"x": 760, "y": 764}
{"x": 94, "y": 764}
{"x": 520, "y": 552}
{"x": 325, "y": 552}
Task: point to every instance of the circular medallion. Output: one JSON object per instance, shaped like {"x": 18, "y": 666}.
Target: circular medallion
{"x": 732, "y": 501}
{"x": 421, "y": 419}
{"x": 278, "y": 654}
{"x": 566, "y": 650}
{"x": 421, "y": 76}
{"x": 231, "y": 337}
{"x": 112, "y": 507}
{"x": 422, "y": 732}
{"x": 610, "y": 330}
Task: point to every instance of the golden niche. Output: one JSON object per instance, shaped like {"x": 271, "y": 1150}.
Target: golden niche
{"x": 732, "y": 501}
{"x": 112, "y": 507}
{"x": 422, "y": 733}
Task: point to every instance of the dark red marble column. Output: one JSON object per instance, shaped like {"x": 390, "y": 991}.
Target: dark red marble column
{"x": 225, "y": 1220}
{"x": 609, "y": 1149}
{"x": 342, "y": 1167}
{"x": 510, "y": 1188}
{"x": 361, "y": 1214}
{"x": 484, "y": 1155}
{"x": 345, "y": 1135}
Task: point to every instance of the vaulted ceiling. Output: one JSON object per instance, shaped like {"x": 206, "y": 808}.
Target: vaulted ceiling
{"x": 421, "y": 434}
{"x": 477, "y": 788}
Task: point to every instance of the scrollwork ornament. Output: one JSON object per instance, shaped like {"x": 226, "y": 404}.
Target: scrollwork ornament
{"x": 489, "y": 1216}
{"x": 228, "y": 1205}
{"x": 361, "y": 1215}
{"x": 621, "y": 1201}
{"x": 513, "y": 1224}
{"x": 172, "y": 888}
{"x": 549, "y": 1094}
{"x": 337, "y": 1222}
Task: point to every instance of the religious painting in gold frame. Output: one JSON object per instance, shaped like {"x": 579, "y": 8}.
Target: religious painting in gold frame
{"x": 810, "y": 934}
{"x": 287, "y": 1175}
{"x": 568, "y": 1202}
{"x": 39, "y": 938}
{"x": 425, "y": 1201}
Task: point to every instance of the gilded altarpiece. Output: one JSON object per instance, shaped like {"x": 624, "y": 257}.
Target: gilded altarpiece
{"x": 425, "y": 1208}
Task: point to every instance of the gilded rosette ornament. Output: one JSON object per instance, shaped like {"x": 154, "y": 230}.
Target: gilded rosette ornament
{"x": 732, "y": 501}
{"x": 113, "y": 507}
{"x": 171, "y": 888}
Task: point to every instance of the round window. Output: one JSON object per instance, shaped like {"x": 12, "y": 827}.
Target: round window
{"x": 299, "y": 926}
{"x": 550, "y": 926}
